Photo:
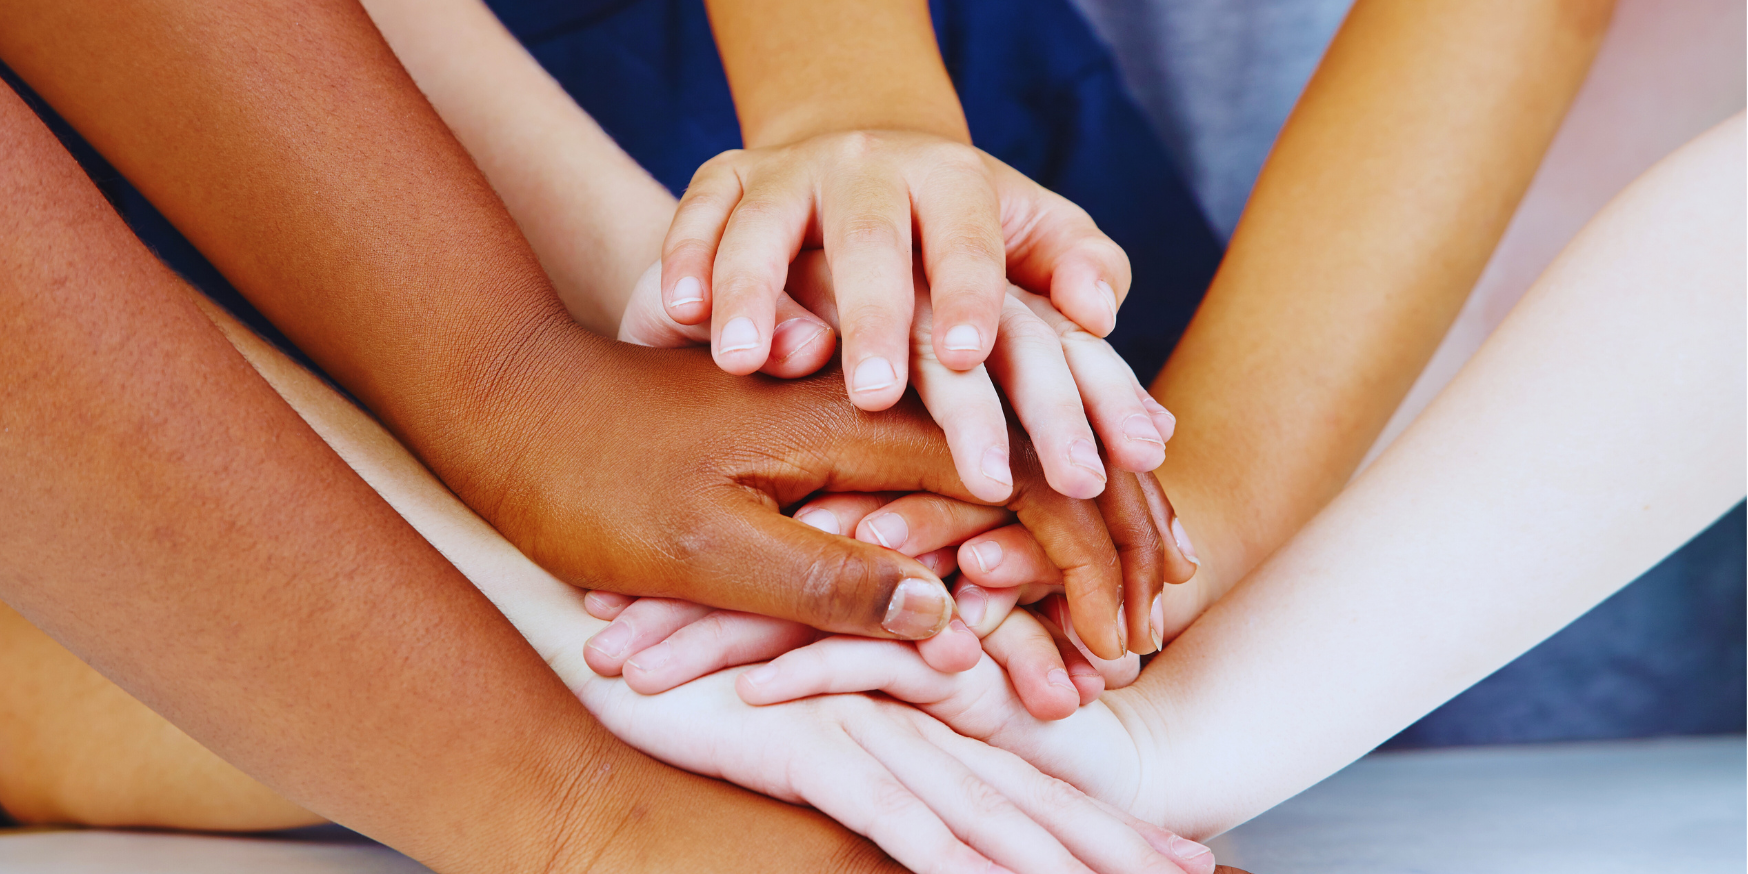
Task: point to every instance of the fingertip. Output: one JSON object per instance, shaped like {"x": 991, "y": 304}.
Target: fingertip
{"x": 740, "y": 347}
{"x": 963, "y": 346}
{"x": 685, "y": 301}
{"x": 953, "y": 651}
{"x": 606, "y": 605}
{"x": 1088, "y": 682}
{"x": 875, "y": 383}
{"x": 799, "y": 346}
{"x": 1050, "y": 697}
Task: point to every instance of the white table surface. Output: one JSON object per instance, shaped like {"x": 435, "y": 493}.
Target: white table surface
{"x": 1664, "y": 805}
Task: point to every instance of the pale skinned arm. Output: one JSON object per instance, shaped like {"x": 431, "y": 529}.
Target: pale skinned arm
{"x": 1597, "y": 430}
{"x": 592, "y": 214}
{"x": 1385, "y": 195}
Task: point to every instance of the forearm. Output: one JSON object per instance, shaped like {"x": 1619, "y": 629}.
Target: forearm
{"x": 1383, "y": 199}
{"x": 286, "y": 142}
{"x": 800, "y": 68}
{"x": 594, "y": 217}
{"x": 172, "y": 522}
{"x": 1597, "y": 430}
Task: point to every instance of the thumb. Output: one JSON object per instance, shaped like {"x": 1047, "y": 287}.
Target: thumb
{"x": 828, "y": 581}
{"x": 647, "y": 323}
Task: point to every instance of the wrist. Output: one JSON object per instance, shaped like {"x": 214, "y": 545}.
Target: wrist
{"x": 934, "y": 115}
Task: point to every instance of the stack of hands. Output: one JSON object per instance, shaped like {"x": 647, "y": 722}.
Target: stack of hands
{"x": 990, "y": 745}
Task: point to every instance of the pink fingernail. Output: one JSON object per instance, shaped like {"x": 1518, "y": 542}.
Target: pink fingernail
{"x": 973, "y": 604}
{"x": 687, "y": 291}
{"x": 762, "y": 674}
{"x": 793, "y": 336}
{"x": 612, "y": 641}
{"x": 1183, "y": 541}
{"x": 738, "y": 335}
{"x": 889, "y": 529}
{"x": 1059, "y": 677}
{"x": 1140, "y": 427}
{"x": 988, "y": 554}
{"x": 995, "y": 465}
{"x": 963, "y": 338}
{"x": 824, "y": 520}
{"x": 652, "y": 658}
{"x": 1185, "y": 849}
{"x": 874, "y": 374}
{"x": 1084, "y": 455}
{"x": 1109, "y": 295}
{"x": 1156, "y": 622}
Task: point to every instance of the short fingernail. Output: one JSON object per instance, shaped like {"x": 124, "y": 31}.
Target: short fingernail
{"x": 824, "y": 520}
{"x": 687, "y": 291}
{"x": 1122, "y": 628}
{"x": 1108, "y": 294}
{"x": 1183, "y": 541}
{"x": 762, "y": 674}
{"x": 963, "y": 338}
{"x": 1185, "y": 849}
{"x": 793, "y": 336}
{"x": 890, "y": 530}
{"x": 995, "y": 465}
{"x": 738, "y": 335}
{"x": 1156, "y": 622}
{"x": 613, "y": 641}
{"x": 874, "y": 374}
{"x": 1084, "y": 455}
{"x": 1059, "y": 677}
{"x": 652, "y": 658}
{"x": 988, "y": 554}
{"x": 918, "y": 609}
{"x": 973, "y": 603}
{"x": 1140, "y": 427}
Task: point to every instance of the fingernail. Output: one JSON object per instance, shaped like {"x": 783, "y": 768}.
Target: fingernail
{"x": 738, "y": 335}
{"x": 874, "y": 374}
{"x": 686, "y": 291}
{"x": 793, "y": 336}
{"x": 918, "y": 609}
{"x": 652, "y": 658}
{"x": 1122, "y": 628}
{"x": 1140, "y": 427}
{"x": 890, "y": 529}
{"x": 613, "y": 641}
{"x": 995, "y": 465}
{"x": 1084, "y": 455}
{"x": 1059, "y": 677}
{"x": 1110, "y": 296}
{"x": 1183, "y": 541}
{"x": 988, "y": 554}
{"x": 963, "y": 338}
{"x": 973, "y": 603}
{"x": 1186, "y": 849}
{"x": 997, "y": 869}
{"x": 762, "y": 674}
{"x": 1156, "y": 622}
{"x": 824, "y": 520}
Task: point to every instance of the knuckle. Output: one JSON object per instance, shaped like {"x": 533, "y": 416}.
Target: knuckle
{"x": 833, "y": 587}
{"x": 890, "y": 798}
{"x": 871, "y": 230}
{"x": 1059, "y": 794}
{"x": 983, "y": 798}
{"x": 758, "y": 209}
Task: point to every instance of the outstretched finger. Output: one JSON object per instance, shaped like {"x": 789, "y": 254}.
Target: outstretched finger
{"x": 959, "y": 220}
{"x": 641, "y": 625}
{"x": 721, "y": 639}
{"x": 1061, "y": 251}
{"x": 689, "y": 250}
{"x": 1025, "y": 649}
{"x": 1029, "y": 365}
{"x": 964, "y": 403}
{"x": 762, "y": 236}
{"x": 865, "y": 222}
{"x": 922, "y": 522}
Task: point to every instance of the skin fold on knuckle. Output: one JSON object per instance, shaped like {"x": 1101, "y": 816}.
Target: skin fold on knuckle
{"x": 844, "y": 589}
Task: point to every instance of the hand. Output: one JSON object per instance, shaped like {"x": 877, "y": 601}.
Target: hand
{"x": 937, "y": 801}
{"x": 668, "y": 484}
{"x": 657, "y": 644}
{"x": 1054, "y": 373}
{"x": 857, "y": 195}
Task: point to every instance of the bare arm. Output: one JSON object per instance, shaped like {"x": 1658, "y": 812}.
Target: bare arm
{"x": 594, "y": 217}
{"x": 1385, "y": 195}
{"x": 1599, "y": 428}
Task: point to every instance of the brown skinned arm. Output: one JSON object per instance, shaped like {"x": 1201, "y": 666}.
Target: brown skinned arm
{"x": 1383, "y": 199}
{"x": 799, "y": 68}
{"x": 172, "y": 521}
{"x": 287, "y": 143}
